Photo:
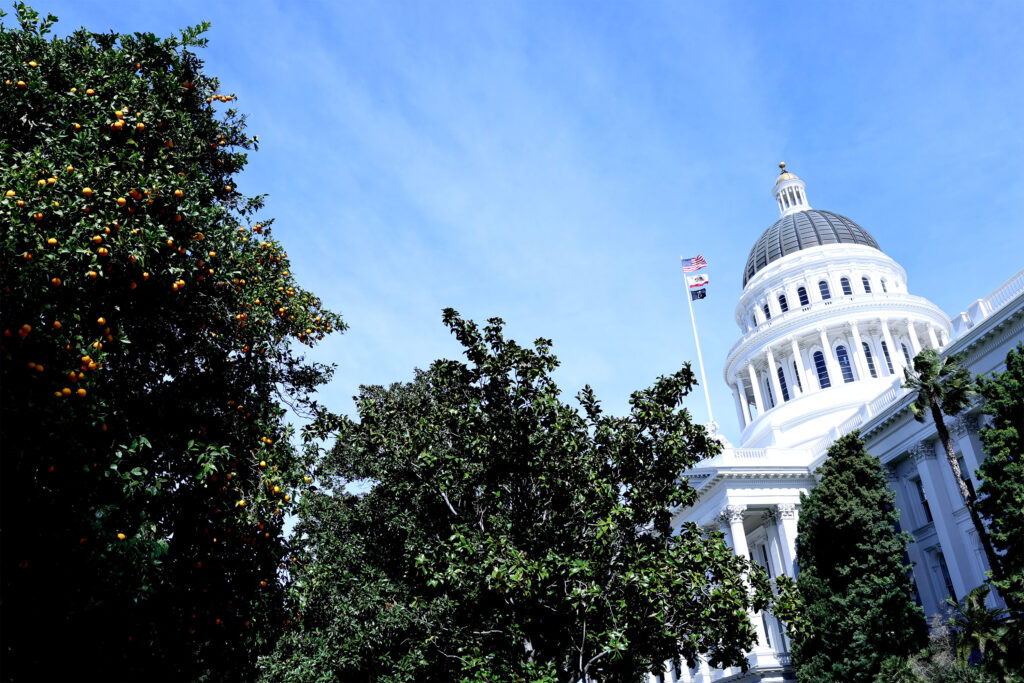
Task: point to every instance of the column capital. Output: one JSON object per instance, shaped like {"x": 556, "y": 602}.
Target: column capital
{"x": 962, "y": 425}
{"x": 921, "y": 451}
{"x": 733, "y": 513}
{"x": 769, "y": 515}
{"x": 786, "y": 510}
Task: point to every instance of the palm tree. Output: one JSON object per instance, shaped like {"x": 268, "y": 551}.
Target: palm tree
{"x": 944, "y": 385}
{"x": 979, "y": 628}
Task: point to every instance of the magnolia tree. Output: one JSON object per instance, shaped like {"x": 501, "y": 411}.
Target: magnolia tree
{"x": 151, "y": 334}
{"x": 507, "y": 535}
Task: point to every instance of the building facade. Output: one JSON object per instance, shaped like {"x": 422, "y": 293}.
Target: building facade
{"x": 827, "y": 326}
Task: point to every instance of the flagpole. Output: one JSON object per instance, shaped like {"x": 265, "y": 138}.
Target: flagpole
{"x": 700, "y": 358}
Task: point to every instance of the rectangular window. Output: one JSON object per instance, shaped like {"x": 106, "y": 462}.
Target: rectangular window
{"x": 924, "y": 501}
{"x": 946, "y": 578}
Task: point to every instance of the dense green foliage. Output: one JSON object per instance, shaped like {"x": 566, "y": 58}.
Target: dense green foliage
{"x": 944, "y": 385}
{"x": 973, "y": 645}
{"x": 151, "y": 331}
{"x": 1001, "y": 494}
{"x": 856, "y": 600}
{"x": 506, "y": 535}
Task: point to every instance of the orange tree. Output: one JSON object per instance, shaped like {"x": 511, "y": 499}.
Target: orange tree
{"x": 151, "y": 335}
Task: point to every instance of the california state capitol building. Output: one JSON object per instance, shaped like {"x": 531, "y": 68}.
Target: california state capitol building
{"x": 827, "y": 322}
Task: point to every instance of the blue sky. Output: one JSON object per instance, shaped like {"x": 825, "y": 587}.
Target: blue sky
{"x": 548, "y": 162}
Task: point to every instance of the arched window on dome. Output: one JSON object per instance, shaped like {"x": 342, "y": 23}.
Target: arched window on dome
{"x": 783, "y": 304}
{"x": 844, "y": 363}
{"x": 782, "y": 382}
{"x": 906, "y": 355}
{"x": 796, "y": 374}
{"x": 867, "y": 284}
{"x": 885, "y": 288}
{"x": 889, "y": 360}
{"x": 847, "y": 289}
{"x": 768, "y": 392}
{"x": 869, "y": 359}
{"x": 802, "y": 293}
{"x": 823, "y": 288}
{"x": 819, "y": 365}
{"x": 767, "y": 312}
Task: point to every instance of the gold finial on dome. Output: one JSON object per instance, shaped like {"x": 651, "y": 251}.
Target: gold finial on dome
{"x": 782, "y": 165}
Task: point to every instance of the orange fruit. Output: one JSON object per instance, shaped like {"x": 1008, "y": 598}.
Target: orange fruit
{"x": 121, "y": 536}
{"x": 52, "y": 241}
{"x": 93, "y": 274}
{"x": 56, "y": 324}
{"x": 97, "y": 238}
{"x": 101, "y": 321}
{"x": 87, "y": 191}
{"x": 90, "y": 91}
{"x": 121, "y": 201}
{"x": 10, "y": 193}
{"x": 56, "y": 282}
{"x": 81, "y": 392}
{"x": 140, "y": 126}
{"x": 179, "y": 194}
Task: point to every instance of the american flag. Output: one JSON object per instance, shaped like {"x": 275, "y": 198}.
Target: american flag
{"x": 692, "y": 264}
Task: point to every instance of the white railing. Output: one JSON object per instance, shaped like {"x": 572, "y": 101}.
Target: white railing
{"x": 894, "y": 392}
{"x": 749, "y": 453}
{"x": 1009, "y": 291}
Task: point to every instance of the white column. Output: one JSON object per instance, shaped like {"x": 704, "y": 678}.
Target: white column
{"x": 932, "y": 338}
{"x": 800, "y": 366}
{"x": 734, "y": 515}
{"x": 773, "y": 376}
{"x": 835, "y": 376}
{"x": 741, "y": 402}
{"x": 755, "y": 389}
{"x": 858, "y": 353}
{"x": 915, "y": 343}
{"x": 895, "y": 355}
{"x": 941, "y": 508}
{"x": 964, "y": 429}
{"x": 787, "y": 517}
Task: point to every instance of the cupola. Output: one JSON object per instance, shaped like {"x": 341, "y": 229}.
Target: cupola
{"x": 789, "y": 191}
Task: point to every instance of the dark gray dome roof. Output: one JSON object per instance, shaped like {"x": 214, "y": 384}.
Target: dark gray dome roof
{"x": 803, "y": 230}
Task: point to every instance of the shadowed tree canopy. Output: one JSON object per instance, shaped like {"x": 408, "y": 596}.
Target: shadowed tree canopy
{"x": 506, "y": 535}
{"x": 1001, "y": 494}
{"x": 151, "y": 335}
{"x": 856, "y": 606}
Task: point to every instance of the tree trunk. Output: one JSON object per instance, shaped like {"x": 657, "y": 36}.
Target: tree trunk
{"x": 965, "y": 493}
